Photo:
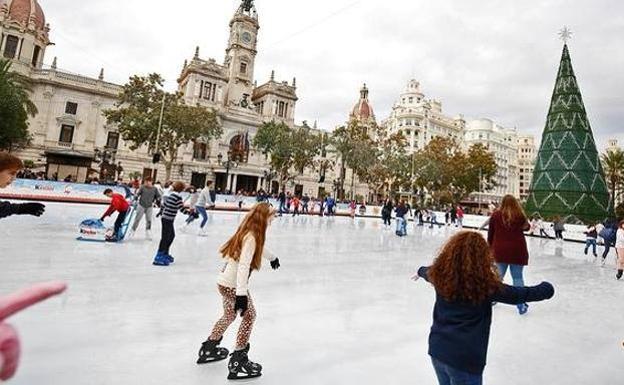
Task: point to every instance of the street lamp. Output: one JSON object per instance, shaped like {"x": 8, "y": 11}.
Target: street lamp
{"x": 104, "y": 158}
{"x": 228, "y": 164}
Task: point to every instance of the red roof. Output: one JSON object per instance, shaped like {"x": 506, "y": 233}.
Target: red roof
{"x": 23, "y": 10}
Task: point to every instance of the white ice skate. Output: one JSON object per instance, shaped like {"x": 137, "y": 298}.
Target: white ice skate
{"x": 130, "y": 234}
{"x": 148, "y": 235}
{"x": 202, "y": 232}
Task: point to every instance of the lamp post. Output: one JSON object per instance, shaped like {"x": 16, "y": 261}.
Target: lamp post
{"x": 228, "y": 164}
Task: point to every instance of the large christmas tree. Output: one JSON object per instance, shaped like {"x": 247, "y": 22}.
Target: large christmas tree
{"x": 568, "y": 179}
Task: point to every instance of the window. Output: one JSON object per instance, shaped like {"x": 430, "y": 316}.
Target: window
{"x": 260, "y": 108}
{"x": 112, "y": 141}
{"x": 243, "y": 68}
{"x": 35, "y": 58}
{"x": 67, "y": 134}
{"x": 282, "y": 109}
{"x": 199, "y": 151}
{"x": 411, "y": 99}
{"x": 210, "y": 91}
{"x": 71, "y": 108}
{"x": 10, "y": 48}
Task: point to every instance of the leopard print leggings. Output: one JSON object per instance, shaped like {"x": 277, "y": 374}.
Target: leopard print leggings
{"x": 229, "y": 316}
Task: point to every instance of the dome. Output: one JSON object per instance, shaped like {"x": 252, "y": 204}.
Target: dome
{"x": 24, "y": 12}
{"x": 363, "y": 110}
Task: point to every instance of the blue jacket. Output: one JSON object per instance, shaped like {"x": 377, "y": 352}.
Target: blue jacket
{"x": 461, "y": 330}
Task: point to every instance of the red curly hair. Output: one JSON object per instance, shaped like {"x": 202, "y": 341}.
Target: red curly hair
{"x": 465, "y": 270}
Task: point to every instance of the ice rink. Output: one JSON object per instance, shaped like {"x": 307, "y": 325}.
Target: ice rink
{"x": 341, "y": 310}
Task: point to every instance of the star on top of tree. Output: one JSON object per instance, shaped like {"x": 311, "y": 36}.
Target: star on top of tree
{"x": 565, "y": 34}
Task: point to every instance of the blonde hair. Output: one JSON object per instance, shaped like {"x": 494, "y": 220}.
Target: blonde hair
{"x": 255, "y": 223}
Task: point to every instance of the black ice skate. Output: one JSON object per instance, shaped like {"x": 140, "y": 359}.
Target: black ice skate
{"x": 241, "y": 367}
{"x": 211, "y": 352}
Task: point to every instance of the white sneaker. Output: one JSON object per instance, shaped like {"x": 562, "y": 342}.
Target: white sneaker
{"x": 148, "y": 234}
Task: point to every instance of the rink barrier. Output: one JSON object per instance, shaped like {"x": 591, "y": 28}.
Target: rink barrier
{"x": 52, "y": 191}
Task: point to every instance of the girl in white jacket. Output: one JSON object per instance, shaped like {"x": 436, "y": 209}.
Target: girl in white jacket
{"x": 243, "y": 254}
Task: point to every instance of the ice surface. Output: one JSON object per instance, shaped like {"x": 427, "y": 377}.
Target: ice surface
{"x": 341, "y": 310}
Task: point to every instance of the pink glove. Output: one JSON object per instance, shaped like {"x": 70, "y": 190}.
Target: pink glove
{"x": 11, "y": 304}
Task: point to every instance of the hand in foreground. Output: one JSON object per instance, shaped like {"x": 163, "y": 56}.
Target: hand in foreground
{"x": 241, "y": 304}
{"x": 275, "y": 264}
{"x": 35, "y": 209}
{"x": 11, "y": 304}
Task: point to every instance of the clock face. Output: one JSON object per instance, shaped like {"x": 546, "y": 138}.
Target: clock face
{"x": 246, "y": 37}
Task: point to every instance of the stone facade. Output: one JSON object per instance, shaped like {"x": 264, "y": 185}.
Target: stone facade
{"x": 72, "y": 138}
{"x": 527, "y": 154}
{"x": 503, "y": 142}
{"x": 421, "y": 119}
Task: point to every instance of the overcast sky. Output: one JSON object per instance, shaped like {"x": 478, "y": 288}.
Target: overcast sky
{"x": 481, "y": 58}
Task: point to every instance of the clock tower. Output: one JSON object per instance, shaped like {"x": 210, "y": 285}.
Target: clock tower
{"x": 240, "y": 55}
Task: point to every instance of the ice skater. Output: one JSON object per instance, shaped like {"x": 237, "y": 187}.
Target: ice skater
{"x": 205, "y": 201}
{"x": 191, "y": 202}
{"x": 386, "y": 213}
{"x": 401, "y": 221}
{"x": 466, "y": 283}
{"x": 591, "y": 238}
{"x": 147, "y": 196}
{"x": 508, "y": 243}
{"x": 119, "y": 204}
{"x": 619, "y": 250}
{"x": 608, "y": 233}
{"x": 243, "y": 254}
{"x": 168, "y": 211}
{"x": 10, "y": 165}
{"x": 559, "y": 228}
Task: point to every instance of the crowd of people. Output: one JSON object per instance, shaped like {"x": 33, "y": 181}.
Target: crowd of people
{"x": 467, "y": 274}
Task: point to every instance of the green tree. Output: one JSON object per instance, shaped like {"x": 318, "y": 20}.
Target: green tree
{"x": 137, "y": 115}
{"x": 290, "y": 150}
{"x": 449, "y": 173}
{"x": 613, "y": 164}
{"x": 15, "y": 108}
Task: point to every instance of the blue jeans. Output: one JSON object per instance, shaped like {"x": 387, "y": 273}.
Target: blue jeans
{"x": 448, "y": 375}
{"x": 516, "y": 274}
{"x": 202, "y": 211}
{"x": 590, "y": 242}
{"x": 401, "y": 225}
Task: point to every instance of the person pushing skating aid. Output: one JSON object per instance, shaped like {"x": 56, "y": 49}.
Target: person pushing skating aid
{"x": 119, "y": 204}
{"x": 243, "y": 254}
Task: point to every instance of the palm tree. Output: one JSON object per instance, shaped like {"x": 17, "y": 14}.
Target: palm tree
{"x": 15, "y": 108}
{"x": 613, "y": 164}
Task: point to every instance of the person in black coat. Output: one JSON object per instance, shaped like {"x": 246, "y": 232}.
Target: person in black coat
{"x": 10, "y": 165}
{"x": 467, "y": 283}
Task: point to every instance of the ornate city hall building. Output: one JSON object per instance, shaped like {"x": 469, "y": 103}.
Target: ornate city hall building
{"x": 71, "y": 137}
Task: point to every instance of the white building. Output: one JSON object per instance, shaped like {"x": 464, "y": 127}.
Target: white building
{"x": 72, "y": 138}
{"x": 503, "y": 143}
{"x": 527, "y": 155}
{"x": 613, "y": 145}
{"x": 421, "y": 119}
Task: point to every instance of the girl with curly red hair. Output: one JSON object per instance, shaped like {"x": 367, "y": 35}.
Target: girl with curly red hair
{"x": 466, "y": 281}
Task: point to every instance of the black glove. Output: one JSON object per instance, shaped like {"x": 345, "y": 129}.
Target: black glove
{"x": 35, "y": 209}
{"x": 275, "y": 264}
{"x": 241, "y": 304}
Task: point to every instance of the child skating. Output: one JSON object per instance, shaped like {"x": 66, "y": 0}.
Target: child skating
{"x": 168, "y": 211}
{"x": 466, "y": 282}
{"x": 119, "y": 204}
{"x": 591, "y": 238}
{"x": 243, "y": 254}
